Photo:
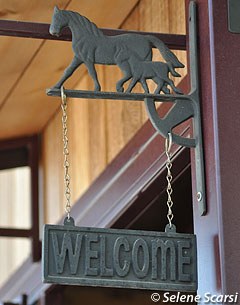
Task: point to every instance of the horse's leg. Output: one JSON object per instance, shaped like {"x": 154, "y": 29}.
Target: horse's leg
{"x": 76, "y": 62}
{"x": 93, "y": 74}
{"x": 125, "y": 67}
{"x": 132, "y": 84}
{"x": 144, "y": 84}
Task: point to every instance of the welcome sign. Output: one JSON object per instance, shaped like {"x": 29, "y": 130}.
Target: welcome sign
{"x": 119, "y": 258}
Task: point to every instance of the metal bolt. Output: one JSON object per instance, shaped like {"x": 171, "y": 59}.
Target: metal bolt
{"x": 199, "y": 196}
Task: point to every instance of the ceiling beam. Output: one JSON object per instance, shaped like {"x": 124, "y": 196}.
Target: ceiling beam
{"x": 41, "y": 31}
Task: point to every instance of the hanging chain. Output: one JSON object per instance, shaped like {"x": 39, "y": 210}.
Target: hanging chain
{"x": 65, "y": 153}
{"x": 168, "y": 144}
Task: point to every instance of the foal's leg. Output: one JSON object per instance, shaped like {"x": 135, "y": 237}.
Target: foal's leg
{"x": 124, "y": 66}
{"x": 76, "y": 62}
{"x": 93, "y": 74}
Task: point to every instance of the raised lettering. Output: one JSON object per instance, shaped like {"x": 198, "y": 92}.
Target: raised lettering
{"x": 121, "y": 269}
{"x": 73, "y": 256}
{"x": 121, "y": 258}
{"x": 90, "y": 254}
{"x": 104, "y": 270}
{"x": 165, "y": 247}
{"x": 183, "y": 260}
{"x": 140, "y": 245}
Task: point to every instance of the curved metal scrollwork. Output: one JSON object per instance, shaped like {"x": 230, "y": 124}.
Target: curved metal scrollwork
{"x": 179, "y": 113}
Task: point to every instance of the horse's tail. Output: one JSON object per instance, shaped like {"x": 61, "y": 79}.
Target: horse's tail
{"x": 168, "y": 55}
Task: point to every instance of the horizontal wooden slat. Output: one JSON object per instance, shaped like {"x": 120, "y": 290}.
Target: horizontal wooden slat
{"x": 11, "y": 158}
{"x": 41, "y": 31}
{"x": 9, "y": 232}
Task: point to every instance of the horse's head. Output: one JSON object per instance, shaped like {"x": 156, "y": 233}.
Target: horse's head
{"x": 59, "y": 22}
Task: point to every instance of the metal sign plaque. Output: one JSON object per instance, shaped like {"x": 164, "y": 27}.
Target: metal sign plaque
{"x": 119, "y": 258}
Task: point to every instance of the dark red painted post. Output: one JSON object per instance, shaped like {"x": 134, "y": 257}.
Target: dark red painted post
{"x": 218, "y": 232}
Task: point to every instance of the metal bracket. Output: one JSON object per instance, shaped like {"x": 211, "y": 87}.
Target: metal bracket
{"x": 185, "y": 106}
{"x": 233, "y": 16}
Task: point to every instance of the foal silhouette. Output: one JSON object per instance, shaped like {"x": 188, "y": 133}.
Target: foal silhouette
{"x": 141, "y": 70}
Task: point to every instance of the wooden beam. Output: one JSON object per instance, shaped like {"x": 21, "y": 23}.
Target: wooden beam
{"x": 41, "y": 31}
{"x": 10, "y": 232}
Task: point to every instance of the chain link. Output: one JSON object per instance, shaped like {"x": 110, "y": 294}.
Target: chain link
{"x": 168, "y": 144}
{"x": 65, "y": 153}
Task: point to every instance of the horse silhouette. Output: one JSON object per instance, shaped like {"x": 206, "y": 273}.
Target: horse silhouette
{"x": 91, "y": 47}
{"x": 141, "y": 70}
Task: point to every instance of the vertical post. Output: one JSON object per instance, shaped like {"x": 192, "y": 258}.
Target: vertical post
{"x": 218, "y": 232}
{"x": 24, "y": 299}
{"x": 33, "y": 149}
{"x": 206, "y": 228}
{"x": 199, "y": 193}
{"x": 225, "y": 48}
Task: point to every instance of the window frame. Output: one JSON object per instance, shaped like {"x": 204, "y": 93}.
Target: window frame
{"x": 24, "y": 152}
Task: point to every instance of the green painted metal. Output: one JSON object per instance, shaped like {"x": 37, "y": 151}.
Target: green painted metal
{"x": 119, "y": 258}
{"x": 234, "y": 16}
{"x": 138, "y": 69}
{"x": 125, "y": 258}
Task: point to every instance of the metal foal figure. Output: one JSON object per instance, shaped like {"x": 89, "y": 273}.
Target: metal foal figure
{"x": 91, "y": 47}
{"x": 142, "y": 70}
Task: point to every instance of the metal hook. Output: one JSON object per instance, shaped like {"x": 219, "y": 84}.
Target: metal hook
{"x": 168, "y": 143}
{"x": 63, "y": 94}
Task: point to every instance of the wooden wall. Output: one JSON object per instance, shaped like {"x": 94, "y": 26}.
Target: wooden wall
{"x": 98, "y": 130}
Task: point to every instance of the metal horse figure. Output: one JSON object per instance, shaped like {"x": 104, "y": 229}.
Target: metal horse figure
{"x": 91, "y": 47}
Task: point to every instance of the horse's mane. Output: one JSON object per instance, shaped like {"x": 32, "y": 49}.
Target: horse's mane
{"x": 85, "y": 23}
